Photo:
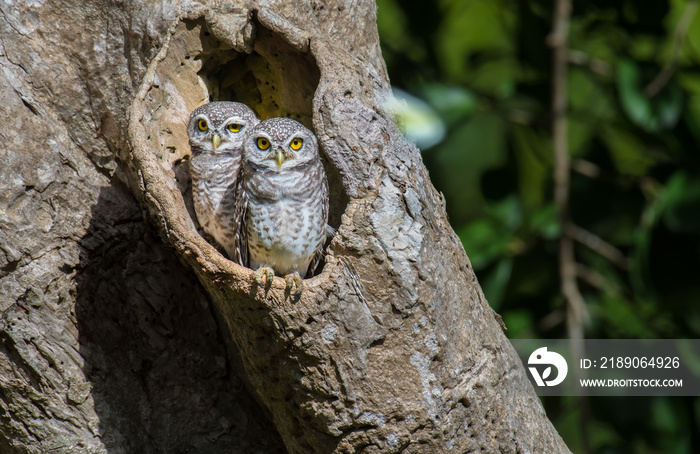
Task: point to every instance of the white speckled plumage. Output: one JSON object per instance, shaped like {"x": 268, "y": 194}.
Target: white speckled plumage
{"x": 284, "y": 198}
{"x": 215, "y": 166}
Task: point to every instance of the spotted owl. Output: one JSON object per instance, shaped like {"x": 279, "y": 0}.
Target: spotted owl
{"x": 216, "y": 132}
{"x": 284, "y": 202}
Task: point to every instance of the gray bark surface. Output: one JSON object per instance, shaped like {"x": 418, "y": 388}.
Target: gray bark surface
{"x": 124, "y": 331}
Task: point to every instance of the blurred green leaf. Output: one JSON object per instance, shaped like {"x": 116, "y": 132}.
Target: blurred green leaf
{"x": 546, "y": 222}
{"x": 490, "y": 29}
{"x": 663, "y": 415}
{"x": 691, "y": 83}
{"x": 519, "y": 324}
{"x": 506, "y": 212}
{"x": 595, "y": 35}
{"x": 451, "y": 101}
{"x": 602, "y": 435}
{"x": 491, "y": 237}
{"x": 644, "y": 47}
{"x": 473, "y": 147}
{"x": 689, "y": 357}
{"x": 665, "y": 420}
{"x": 533, "y": 171}
{"x": 691, "y": 45}
{"x": 657, "y": 113}
{"x": 627, "y": 151}
{"x": 668, "y": 105}
{"x": 633, "y": 100}
{"x": 484, "y": 240}
{"x": 624, "y": 317}
{"x": 496, "y": 77}
{"x": 392, "y": 25}
{"x": 682, "y": 203}
{"x": 590, "y": 106}
{"x": 569, "y": 424}
{"x": 640, "y": 273}
{"x": 496, "y": 282}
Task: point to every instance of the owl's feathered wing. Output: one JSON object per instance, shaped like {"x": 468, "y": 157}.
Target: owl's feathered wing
{"x": 214, "y": 180}
{"x": 330, "y": 231}
{"x": 240, "y": 249}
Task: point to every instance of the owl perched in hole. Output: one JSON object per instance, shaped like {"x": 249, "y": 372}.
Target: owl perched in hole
{"x": 216, "y": 132}
{"x": 283, "y": 202}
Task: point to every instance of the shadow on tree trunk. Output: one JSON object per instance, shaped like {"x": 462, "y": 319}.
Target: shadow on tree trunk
{"x": 160, "y": 374}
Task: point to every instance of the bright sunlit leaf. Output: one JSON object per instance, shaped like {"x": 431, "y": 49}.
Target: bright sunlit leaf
{"x": 418, "y": 121}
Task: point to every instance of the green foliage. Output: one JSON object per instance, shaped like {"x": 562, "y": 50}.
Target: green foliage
{"x": 682, "y": 200}
{"x": 650, "y": 113}
{"x": 484, "y": 67}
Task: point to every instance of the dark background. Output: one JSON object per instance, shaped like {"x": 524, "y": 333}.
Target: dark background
{"x": 482, "y": 69}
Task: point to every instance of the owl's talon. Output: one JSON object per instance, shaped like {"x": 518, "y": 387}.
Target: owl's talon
{"x": 264, "y": 276}
{"x": 294, "y": 280}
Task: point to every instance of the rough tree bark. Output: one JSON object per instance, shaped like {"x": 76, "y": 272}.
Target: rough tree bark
{"x": 122, "y": 335}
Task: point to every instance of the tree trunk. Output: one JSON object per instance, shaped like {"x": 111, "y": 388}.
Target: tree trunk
{"x": 116, "y": 340}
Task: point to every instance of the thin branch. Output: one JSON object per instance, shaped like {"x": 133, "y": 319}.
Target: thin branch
{"x": 661, "y": 79}
{"x": 558, "y": 41}
{"x": 597, "y": 244}
{"x": 597, "y": 280}
{"x": 576, "y": 307}
{"x": 592, "y": 277}
{"x": 562, "y": 167}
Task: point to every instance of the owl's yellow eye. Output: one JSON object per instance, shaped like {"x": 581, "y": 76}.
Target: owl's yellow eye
{"x": 202, "y": 125}
{"x": 233, "y": 127}
{"x": 263, "y": 143}
{"x": 296, "y": 144}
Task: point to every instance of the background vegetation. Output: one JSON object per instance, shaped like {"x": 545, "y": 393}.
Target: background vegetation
{"x": 484, "y": 70}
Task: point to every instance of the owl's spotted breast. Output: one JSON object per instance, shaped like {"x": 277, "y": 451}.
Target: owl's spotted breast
{"x": 286, "y": 197}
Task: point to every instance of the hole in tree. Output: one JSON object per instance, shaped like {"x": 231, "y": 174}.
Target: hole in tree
{"x": 275, "y": 80}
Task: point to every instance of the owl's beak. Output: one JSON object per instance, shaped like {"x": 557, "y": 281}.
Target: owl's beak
{"x": 279, "y": 158}
{"x": 215, "y": 141}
